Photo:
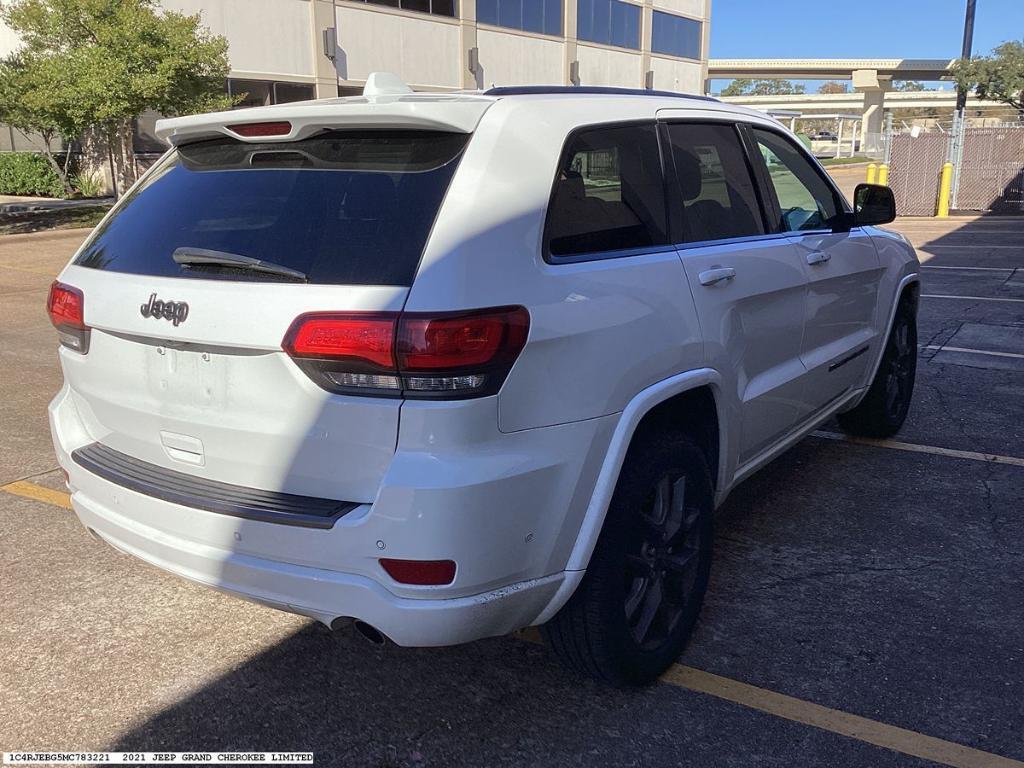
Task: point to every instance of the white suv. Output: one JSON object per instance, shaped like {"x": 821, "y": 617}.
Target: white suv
{"x": 450, "y": 365}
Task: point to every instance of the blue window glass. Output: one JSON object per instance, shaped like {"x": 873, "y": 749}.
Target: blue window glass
{"x": 676, "y": 36}
{"x": 510, "y": 14}
{"x": 542, "y": 16}
{"x": 487, "y": 11}
{"x": 611, "y": 22}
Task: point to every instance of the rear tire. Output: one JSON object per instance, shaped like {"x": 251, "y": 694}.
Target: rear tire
{"x": 885, "y": 406}
{"x": 636, "y": 607}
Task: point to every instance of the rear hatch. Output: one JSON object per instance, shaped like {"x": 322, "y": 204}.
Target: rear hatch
{"x": 191, "y": 286}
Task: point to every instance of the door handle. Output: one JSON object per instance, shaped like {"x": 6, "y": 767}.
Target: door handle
{"x": 716, "y": 275}
{"x": 818, "y": 257}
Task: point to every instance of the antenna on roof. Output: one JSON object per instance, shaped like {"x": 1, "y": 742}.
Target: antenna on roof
{"x": 385, "y": 84}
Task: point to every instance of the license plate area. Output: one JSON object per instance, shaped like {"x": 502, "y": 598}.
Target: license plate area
{"x": 188, "y": 376}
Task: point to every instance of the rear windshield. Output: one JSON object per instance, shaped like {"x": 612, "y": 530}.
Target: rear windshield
{"x": 338, "y": 208}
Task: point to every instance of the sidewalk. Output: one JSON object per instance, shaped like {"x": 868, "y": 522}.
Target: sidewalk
{"x": 16, "y": 204}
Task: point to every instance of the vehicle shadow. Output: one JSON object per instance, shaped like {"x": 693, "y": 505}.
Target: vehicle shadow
{"x": 498, "y": 701}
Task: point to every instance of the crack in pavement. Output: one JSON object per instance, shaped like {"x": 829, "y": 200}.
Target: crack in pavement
{"x": 823, "y": 574}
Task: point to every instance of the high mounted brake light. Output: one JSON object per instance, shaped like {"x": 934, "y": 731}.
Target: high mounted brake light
{"x": 258, "y": 130}
{"x": 409, "y": 354}
{"x": 66, "y": 307}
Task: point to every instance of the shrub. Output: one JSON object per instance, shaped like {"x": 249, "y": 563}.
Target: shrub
{"x": 87, "y": 184}
{"x": 28, "y": 173}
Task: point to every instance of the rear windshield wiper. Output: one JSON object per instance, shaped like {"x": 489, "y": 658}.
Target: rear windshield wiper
{"x": 194, "y": 257}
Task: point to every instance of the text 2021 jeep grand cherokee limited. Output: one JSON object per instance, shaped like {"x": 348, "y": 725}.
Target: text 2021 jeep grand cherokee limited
{"x": 451, "y": 365}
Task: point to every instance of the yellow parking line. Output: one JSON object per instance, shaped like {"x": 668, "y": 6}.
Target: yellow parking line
{"x": 38, "y": 493}
{"x": 915, "y": 448}
{"x": 835, "y": 721}
{"x": 827, "y": 719}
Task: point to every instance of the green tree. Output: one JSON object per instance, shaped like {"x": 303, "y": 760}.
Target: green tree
{"x": 34, "y": 99}
{"x": 908, "y": 85}
{"x": 102, "y": 63}
{"x": 999, "y": 76}
{"x": 763, "y": 87}
{"x": 833, "y": 86}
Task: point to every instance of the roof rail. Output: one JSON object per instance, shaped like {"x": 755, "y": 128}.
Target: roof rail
{"x": 524, "y": 90}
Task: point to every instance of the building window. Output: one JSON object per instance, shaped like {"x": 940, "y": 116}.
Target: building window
{"x": 437, "y": 7}
{"x": 541, "y": 16}
{"x": 676, "y": 36}
{"x": 261, "y": 93}
{"x": 611, "y": 22}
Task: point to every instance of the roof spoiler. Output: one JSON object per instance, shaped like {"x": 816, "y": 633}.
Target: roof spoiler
{"x": 387, "y": 103}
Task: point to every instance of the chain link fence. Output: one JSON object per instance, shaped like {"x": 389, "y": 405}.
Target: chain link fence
{"x": 990, "y": 168}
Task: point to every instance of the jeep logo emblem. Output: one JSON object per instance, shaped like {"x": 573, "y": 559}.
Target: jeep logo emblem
{"x": 175, "y": 311}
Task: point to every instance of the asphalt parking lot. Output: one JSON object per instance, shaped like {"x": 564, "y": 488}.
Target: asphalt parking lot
{"x": 865, "y": 607}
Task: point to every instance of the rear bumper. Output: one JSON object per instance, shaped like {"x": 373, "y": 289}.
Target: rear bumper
{"x": 322, "y": 594}
{"x": 508, "y": 516}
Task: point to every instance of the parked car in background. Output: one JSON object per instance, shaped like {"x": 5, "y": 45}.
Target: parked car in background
{"x": 450, "y": 365}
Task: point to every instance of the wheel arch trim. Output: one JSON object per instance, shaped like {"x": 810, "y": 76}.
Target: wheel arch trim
{"x": 913, "y": 278}
{"x": 604, "y": 487}
{"x": 634, "y": 412}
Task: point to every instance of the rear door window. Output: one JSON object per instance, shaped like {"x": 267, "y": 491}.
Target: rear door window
{"x": 608, "y": 194}
{"x": 343, "y": 207}
{"x": 715, "y": 183}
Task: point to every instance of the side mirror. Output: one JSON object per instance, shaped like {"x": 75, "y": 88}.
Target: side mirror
{"x": 873, "y": 204}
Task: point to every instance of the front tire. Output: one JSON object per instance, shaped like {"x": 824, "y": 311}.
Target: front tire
{"x": 885, "y": 406}
{"x": 636, "y": 607}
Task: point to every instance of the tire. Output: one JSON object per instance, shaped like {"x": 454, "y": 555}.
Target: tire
{"x": 633, "y": 613}
{"x": 885, "y": 406}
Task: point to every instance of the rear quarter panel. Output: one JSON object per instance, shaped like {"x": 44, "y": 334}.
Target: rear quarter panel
{"x": 600, "y": 331}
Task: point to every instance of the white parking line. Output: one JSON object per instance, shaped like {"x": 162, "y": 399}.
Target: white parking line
{"x": 927, "y": 247}
{"x": 990, "y": 458}
{"x": 972, "y": 269}
{"x": 972, "y": 351}
{"x": 968, "y": 298}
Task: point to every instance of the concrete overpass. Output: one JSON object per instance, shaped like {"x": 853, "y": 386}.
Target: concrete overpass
{"x": 854, "y": 102}
{"x": 829, "y": 69}
{"x": 871, "y": 78}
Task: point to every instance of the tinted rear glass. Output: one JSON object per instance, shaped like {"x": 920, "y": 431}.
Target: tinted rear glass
{"x": 341, "y": 207}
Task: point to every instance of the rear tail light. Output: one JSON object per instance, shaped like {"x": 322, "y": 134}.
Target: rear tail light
{"x": 409, "y": 354}
{"x": 66, "y": 306}
{"x": 420, "y": 572}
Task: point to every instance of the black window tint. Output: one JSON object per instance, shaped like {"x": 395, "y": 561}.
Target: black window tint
{"x": 675, "y": 35}
{"x": 715, "y": 184}
{"x": 806, "y": 200}
{"x": 342, "y": 208}
{"x": 438, "y": 7}
{"x": 608, "y": 194}
{"x": 611, "y": 22}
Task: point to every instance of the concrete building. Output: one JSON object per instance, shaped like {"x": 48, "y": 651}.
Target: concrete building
{"x": 285, "y": 50}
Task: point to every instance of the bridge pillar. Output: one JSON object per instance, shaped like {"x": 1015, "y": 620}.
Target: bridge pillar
{"x": 873, "y": 87}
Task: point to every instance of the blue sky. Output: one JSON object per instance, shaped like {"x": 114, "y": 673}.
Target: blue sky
{"x": 921, "y": 29}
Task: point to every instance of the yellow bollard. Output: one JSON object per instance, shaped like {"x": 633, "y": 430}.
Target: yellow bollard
{"x": 945, "y": 182}
{"x": 883, "y": 175}
{"x": 872, "y": 168}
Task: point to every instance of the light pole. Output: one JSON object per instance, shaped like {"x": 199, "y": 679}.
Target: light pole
{"x": 957, "y": 145}
{"x": 965, "y": 53}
